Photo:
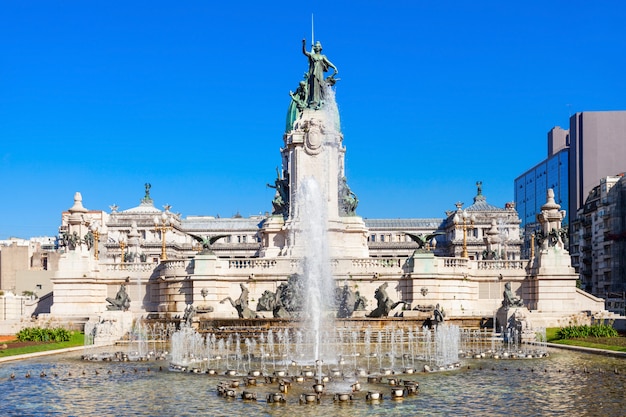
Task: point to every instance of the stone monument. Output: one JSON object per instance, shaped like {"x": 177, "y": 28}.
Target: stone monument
{"x": 313, "y": 149}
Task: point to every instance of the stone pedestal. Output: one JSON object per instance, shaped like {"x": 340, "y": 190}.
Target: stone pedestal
{"x": 205, "y": 264}
{"x": 554, "y": 260}
{"x": 274, "y": 237}
{"x": 514, "y": 317}
{"x": 109, "y": 327}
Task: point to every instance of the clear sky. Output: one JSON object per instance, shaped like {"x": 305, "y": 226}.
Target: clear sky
{"x": 191, "y": 96}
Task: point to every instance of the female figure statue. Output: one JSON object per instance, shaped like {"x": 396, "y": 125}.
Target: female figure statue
{"x": 318, "y": 65}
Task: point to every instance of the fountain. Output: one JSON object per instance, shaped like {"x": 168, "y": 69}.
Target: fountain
{"x": 313, "y": 345}
{"x": 319, "y": 283}
{"x": 313, "y": 360}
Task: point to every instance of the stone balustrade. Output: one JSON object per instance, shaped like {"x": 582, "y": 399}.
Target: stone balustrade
{"x": 502, "y": 264}
{"x": 371, "y": 264}
{"x": 252, "y": 263}
{"x": 130, "y": 267}
{"x": 454, "y": 263}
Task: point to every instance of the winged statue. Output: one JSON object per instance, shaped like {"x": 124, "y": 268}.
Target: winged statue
{"x": 422, "y": 239}
{"x": 207, "y": 242}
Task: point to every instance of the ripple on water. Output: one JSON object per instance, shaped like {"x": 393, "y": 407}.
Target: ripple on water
{"x": 564, "y": 384}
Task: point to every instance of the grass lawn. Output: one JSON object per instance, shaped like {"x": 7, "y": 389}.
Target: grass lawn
{"x": 617, "y": 344}
{"x": 20, "y": 348}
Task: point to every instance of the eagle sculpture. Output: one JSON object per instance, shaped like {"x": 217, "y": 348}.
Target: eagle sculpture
{"x": 207, "y": 242}
{"x": 421, "y": 239}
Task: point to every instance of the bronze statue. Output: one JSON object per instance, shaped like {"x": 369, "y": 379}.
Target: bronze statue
{"x": 279, "y": 311}
{"x": 347, "y": 303}
{"x": 360, "y": 302}
{"x": 146, "y": 198}
{"x": 348, "y": 200}
{"x": 121, "y": 302}
{"x": 438, "y": 315}
{"x": 300, "y": 96}
{"x": 280, "y": 203}
{"x": 510, "y": 300}
{"x": 318, "y": 65}
{"x": 89, "y": 239}
{"x": 190, "y": 312}
{"x": 207, "y": 242}
{"x": 385, "y": 304}
{"x": 241, "y": 304}
{"x": 422, "y": 240}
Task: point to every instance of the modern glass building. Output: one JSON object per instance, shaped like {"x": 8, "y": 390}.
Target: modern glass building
{"x": 532, "y": 186}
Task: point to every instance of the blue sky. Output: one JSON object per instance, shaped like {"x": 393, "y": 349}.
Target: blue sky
{"x": 191, "y": 96}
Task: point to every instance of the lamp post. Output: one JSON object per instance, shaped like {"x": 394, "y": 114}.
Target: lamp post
{"x": 463, "y": 219}
{"x": 162, "y": 224}
{"x": 95, "y": 231}
{"x": 122, "y": 243}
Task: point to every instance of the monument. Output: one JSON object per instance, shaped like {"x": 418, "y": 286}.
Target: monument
{"x": 313, "y": 232}
{"x": 313, "y": 152}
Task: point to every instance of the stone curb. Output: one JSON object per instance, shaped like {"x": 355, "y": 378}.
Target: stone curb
{"x": 46, "y": 353}
{"x": 588, "y": 350}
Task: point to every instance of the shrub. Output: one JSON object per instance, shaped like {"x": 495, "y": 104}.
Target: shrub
{"x": 577, "y": 332}
{"x": 38, "y": 334}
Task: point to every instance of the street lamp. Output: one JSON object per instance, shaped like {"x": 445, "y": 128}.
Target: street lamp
{"x": 122, "y": 242}
{"x": 162, "y": 224}
{"x": 95, "y": 231}
{"x": 463, "y": 219}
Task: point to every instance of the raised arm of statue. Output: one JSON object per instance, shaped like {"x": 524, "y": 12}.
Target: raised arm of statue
{"x": 304, "y": 51}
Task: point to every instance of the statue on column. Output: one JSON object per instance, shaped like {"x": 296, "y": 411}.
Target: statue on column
{"x": 318, "y": 65}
